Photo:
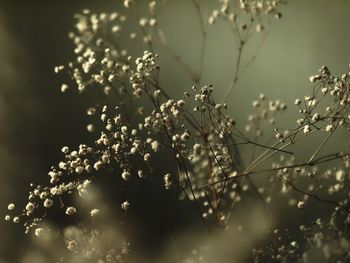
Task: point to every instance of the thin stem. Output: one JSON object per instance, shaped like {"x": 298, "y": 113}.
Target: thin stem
{"x": 319, "y": 198}
{"x": 204, "y": 39}
{"x": 323, "y": 159}
{"x": 193, "y": 75}
{"x": 321, "y": 146}
{"x": 237, "y": 70}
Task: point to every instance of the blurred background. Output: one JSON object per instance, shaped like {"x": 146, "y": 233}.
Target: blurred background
{"x": 36, "y": 119}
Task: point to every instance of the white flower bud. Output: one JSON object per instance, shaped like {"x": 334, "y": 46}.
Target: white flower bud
{"x": 48, "y": 203}
{"x": 11, "y": 206}
{"x": 301, "y": 204}
{"x": 147, "y": 157}
{"x": 94, "y": 212}
{"x": 39, "y": 232}
{"x": 307, "y": 129}
{"x": 125, "y": 206}
{"x": 126, "y": 175}
{"x": 30, "y": 207}
{"x": 64, "y": 88}
{"x": 127, "y": 3}
{"x": 71, "y": 210}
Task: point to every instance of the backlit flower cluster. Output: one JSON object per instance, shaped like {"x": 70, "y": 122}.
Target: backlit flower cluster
{"x": 211, "y": 162}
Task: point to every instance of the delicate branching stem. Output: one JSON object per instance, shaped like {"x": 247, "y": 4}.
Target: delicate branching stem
{"x": 237, "y": 71}
{"x": 321, "y": 146}
{"x": 319, "y": 198}
{"x": 323, "y": 159}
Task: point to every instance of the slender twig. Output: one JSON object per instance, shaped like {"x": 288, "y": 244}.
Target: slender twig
{"x": 323, "y": 159}
{"x": 236, "y": 73}
{"x": 204, "y": 39}
{"x": 193, "y": 75}
{"x": 319, "y": 198}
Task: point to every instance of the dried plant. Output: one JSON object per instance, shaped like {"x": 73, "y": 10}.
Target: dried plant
{"x": 138, "y": 126}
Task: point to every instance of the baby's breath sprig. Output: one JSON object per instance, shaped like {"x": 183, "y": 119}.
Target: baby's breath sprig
{"x": 137, "y": 125}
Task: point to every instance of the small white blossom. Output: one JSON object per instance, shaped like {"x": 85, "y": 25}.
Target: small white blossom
{"x": 147, "y": 157}
{"x": 71, "y": 210}
{"x": 90, "y": 128}
{"x": 297, "y": 102}
{"x": 98, "y": 165}
{"x": 65, "y": 149}
{"x": 256, "y": 104}
{"x": 11, "y": 206}
{"x": 124, "y": 129}
{"x": 127, "y": 3}
{"x": 155, "y": 145}
{"x": 294, "y": 244}
{"x": 307, "y": 129}
{"x": 316, "y": 117}
{"x": 279, "y": 136}
{"x": 94, "y": 212}
{"x": 30, "y": 207}
{"x": 197, "y": 148}
{"x": 167, "y": 181}
{"x": 48, "y": 203}
{"x": 64, "y": 88}
{"x": 39, "y": 232}
{"x": 140, "y": 173}
{"x": 125, "y": 205}
{"x": 301, "y": 204}
{"x": 72, "y": 245}
{"x": 340, "y": 175}
{"x": 126, "y": 175}
{"x": 329, "y": 128}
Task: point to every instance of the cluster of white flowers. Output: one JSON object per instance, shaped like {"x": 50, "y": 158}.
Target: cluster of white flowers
{"x": 255, "y": 11}
{"x": 138, "y": 125}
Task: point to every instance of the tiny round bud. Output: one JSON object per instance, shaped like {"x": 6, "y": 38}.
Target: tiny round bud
{"x": 94, "y": 212}
{"x": 71, "y": 210}
{"x": 125, "y": 206}
{"x": 39, "y": 232}
{"x": 64, "y": 88}
{"x": 11, "y": 206}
